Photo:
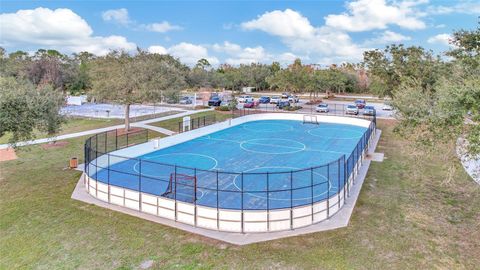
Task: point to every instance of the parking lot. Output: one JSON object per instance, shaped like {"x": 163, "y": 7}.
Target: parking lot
{"x": 335, "y": 107}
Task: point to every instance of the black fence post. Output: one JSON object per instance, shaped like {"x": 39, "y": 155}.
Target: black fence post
{"x": 268, "y": 203}
{"x": 338, "y": 186}
{"x": 242, "y": 215}
{"x": 175, "y": 193}
{"x": 108, "y": 176}
{"x": 96, "y": 165}
{"x": 291, "y": 200}
{"x": 218, "y": 213}
{"x": 311, "y": 191}
{"x": 116, "y": 139}
{"x": 140, "y": 185}
{"x": 328, "y": 191}
{"x": 195, "y": 197}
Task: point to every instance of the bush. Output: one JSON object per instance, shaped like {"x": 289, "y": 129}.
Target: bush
{"x": 201, "y": 107}
{"x": 314, "y": 102}
{"x": 222, "y": 108}
{"x": 292, "y": 108}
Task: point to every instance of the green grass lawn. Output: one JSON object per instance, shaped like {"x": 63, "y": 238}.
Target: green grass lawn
{"x": 415, "y": 211}
{"x": 172, "y": 124}
{"x": 73, "y": 125}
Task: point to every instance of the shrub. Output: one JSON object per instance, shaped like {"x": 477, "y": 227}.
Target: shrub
{"x": 222, "y": 108}
{"x": 292, "y": 108}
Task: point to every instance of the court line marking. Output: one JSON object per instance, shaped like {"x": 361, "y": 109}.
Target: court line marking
{"x": 297, "y": 149}
{"x": 284, "y": 146}
{"x": 218, "y": 139}
{"x": 135, "y": 166}
{"x": 289, "y": 127}
{"x": 278, "y": 199}
{"x": 331, "y": 137}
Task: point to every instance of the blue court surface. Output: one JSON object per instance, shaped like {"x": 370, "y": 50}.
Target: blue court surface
{"x": 268, "y": 164}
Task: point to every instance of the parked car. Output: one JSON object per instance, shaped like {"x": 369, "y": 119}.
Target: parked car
{"x": 322, "y": 107}
{"x": 214, "y": 101}
{"x": 360, "y": 103}
{"x": 351, "y": 109}
{"x": 251, "y": 104}
{"x": 293, "y": 99}
{"x": 369, "y": 110}
{"x": 283, "y": 104}
{"x": 243, "y": 99}
{"x": 186, "y": 100}
{"x": 275, "y": 99}
{"x": 285, "y": 95}
{"x": 387, "y": 107}
{"x": 264, "y": 100}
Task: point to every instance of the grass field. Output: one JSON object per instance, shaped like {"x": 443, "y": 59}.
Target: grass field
{"x": 415, "y": 211}
{"x": 73, "y": 125}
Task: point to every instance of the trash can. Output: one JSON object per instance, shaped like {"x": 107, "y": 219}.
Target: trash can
{"x": 73, "y": 163}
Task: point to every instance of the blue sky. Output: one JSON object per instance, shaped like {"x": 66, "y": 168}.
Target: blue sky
{"x": 320, "y": 32}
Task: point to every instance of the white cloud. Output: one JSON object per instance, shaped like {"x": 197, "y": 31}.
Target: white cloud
{"x": 301, "y": 37}
{"x": 365, "y": 15}
{"x": 238, "y": 55}
{"x": 162, "y": 27}
{"x": 121, "y": 16}
{"x": 157, "y": 49}
{"x": 388, "y": 37}
{"x": 465, "y": 7}
{"x": 187, "y": 53}
{"x": 117, "y": 15}
{"x": 288, "y": 23}
{"x": 288, "y": 58}
{"x": 57, "y": 29}
{"x": 440, "y": 39}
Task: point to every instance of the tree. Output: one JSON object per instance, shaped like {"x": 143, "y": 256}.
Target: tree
{"x": 23, "y": 108}
{"x": 296, "y": 78}
{"x": 448, "y": 106}
{"x": 125, "y": 79}
{"x": 79, "y": 78}
{"x": 389, "y": 66}
{"x": 15, "y": 65}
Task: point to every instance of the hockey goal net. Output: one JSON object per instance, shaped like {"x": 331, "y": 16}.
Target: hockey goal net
{"x": 182, "y": 187}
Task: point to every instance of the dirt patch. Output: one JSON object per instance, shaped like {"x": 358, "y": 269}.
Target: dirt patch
{"x": 121, "y": 131}
{"x": 51, "y": 145}
{"x": 7, "y": 154}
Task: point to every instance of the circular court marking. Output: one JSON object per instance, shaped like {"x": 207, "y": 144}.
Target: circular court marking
{"x": 279, "y": 199}
{"x": 273, "y": 146}
{"x": 344, "y": 134}
{"x": 267, "y": 127}
{"x": 184, "y": 158}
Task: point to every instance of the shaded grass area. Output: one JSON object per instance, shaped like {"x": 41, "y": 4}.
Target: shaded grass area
{"x": 71, "y": 126}
{"x": 416, "y": 210}
{"x": 172, "y": 124}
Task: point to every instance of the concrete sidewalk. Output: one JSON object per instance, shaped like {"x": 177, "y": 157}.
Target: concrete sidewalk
{"x": 142, "y": 124}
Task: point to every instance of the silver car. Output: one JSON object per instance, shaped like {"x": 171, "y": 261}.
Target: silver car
{"x": 351, "y": 109}
{"x": 322, "y": 107}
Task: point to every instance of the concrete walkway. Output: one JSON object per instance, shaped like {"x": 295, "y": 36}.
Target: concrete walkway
{"x": 99, "y": 130}
{"x": 154, "y": 128}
